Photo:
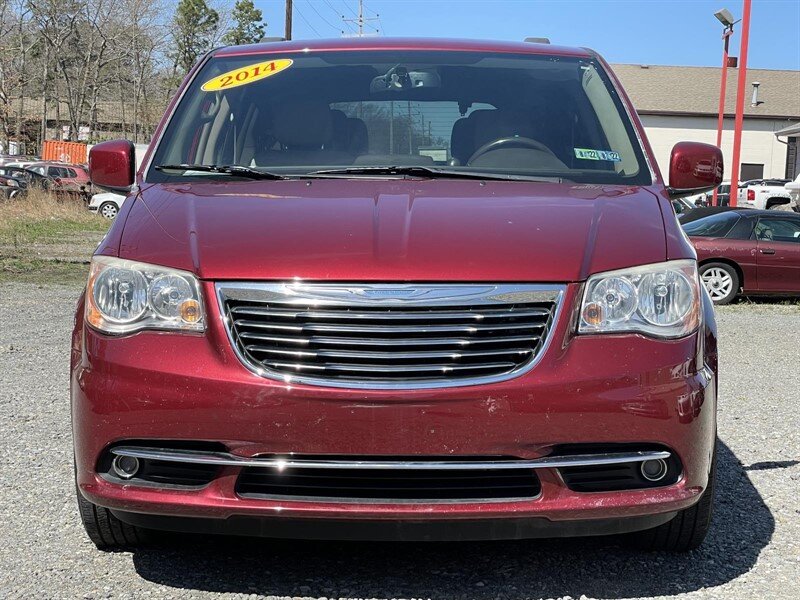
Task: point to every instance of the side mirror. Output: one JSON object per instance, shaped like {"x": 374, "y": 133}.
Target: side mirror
{"x": 694, "y": 168}
{"x": 112, "y": 165}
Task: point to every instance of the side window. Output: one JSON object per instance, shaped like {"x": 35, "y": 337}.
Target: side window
{"x": 39, "y": 170}
{"x": 71, "y": 173}
{"x": 778, "y": 230}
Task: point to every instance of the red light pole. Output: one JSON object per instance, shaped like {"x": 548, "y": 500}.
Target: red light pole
{"x": 740, "y": 91}
{"x": 727, "y": 20}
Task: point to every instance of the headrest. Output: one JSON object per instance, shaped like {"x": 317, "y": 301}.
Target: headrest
{"x": 305, "y": 124}
{"x": 461, "y": 139}
{"x": 357, "y": 136}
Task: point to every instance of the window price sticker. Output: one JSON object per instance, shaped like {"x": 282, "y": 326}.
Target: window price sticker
{"x": 248, "y": 74}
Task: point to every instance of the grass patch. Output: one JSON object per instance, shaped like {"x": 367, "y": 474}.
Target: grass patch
{"x": 32, "y": 270}
{"x": 40, "y": 217}
{"x": 47, "y": 240}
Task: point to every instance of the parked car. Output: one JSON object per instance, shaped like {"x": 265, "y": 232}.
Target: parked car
{"x": 753, "y": 252}
{"x": 67, "y": 179}
{"x": 723, "y": 195}
{"x": 27, "y": 180}
{"x": 793, "y": 189}
{"x": 682, "y": 205}
{"x": 10, "y": 184}
{"x": 106, "y": 204}
{"x": 765, "y": 194}
{"x": 302, "y": 326}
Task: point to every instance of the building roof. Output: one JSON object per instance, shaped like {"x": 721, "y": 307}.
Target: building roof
{"x": 656, "y": 89}
{"x": 790, "y": 130}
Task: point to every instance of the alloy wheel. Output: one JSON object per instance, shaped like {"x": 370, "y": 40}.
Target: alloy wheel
{"x": 718, "y": 282}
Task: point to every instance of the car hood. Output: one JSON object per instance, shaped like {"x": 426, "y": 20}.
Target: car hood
{"x": 394, "y": 230}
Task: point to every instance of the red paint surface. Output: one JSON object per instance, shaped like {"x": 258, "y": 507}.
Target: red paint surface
{"x": 615, "y": 388}
{"x": 112, "y": 164}
{"x": 401, "y": 230}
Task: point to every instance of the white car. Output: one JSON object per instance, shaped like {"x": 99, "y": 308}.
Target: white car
{"x": 106, "y": 204}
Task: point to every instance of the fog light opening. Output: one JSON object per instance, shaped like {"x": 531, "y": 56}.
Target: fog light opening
{"x": 654, "y": 470}
{"x": 125, "y": 467}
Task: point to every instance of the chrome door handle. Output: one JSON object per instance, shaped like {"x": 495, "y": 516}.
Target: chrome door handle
{"x": 767, "y": 251}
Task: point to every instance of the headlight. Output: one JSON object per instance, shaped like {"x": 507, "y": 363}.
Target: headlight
{"x": 125, "y": 296}
{"x": 662, "y": 300}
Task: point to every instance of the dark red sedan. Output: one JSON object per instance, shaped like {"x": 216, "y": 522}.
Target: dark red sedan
{"x": 397, "y": 288}
{"x": 752, "y": 252}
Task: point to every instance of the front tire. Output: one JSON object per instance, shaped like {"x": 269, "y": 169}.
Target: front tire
{"x": 687, "y": 530}
{"x": 107, "y": 531}
{"x": 721, "y": 280}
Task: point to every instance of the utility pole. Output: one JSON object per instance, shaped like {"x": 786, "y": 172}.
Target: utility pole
{"x": 740, "y": 91}
{"x": 288, "y": 32}
{"x": 361, "y": 19}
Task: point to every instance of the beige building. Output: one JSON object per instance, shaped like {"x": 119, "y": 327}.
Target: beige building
{"x": 681, "y": 103}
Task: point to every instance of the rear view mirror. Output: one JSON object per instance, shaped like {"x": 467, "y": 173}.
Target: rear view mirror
{"x": 399, "y": 79}
{"x": 112, "y": 165}
{"x": 694, "y": 168}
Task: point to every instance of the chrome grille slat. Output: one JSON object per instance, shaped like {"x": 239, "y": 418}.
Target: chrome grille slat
{"x": 427, "y": 315}
{"x": 378, "y": 368}
{"x": 330, "y": 328}
{"x": 352, "y": 341}
{"x": 385, "y": 336}
{"x": 385, "y": 355}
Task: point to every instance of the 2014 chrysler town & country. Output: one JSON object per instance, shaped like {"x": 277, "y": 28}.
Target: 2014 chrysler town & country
{"x": 409, "y": 289}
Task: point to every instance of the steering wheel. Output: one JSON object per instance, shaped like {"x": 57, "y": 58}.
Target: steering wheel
{"x": 519, "y": 142}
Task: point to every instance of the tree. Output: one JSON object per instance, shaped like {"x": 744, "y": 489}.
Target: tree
{"x": 249, "y": 27}
{"x": 196, "y": 25}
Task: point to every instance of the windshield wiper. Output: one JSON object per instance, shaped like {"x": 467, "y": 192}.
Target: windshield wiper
{"x": 432, "y": 173}
{"x": 236, "y": 170}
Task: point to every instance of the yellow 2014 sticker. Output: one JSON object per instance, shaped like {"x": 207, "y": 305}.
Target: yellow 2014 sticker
{"x": 248, "y": 74}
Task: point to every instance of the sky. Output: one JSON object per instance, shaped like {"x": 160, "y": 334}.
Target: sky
{"x": 657, "y": 32}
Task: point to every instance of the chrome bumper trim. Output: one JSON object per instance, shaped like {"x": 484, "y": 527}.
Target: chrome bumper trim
{"x": 224, "y": 459}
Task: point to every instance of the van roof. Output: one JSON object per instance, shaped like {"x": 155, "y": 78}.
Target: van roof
{"x": 396, "y": 43}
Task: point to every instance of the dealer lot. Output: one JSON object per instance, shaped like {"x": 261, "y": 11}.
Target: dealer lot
{"x": 753, "y": 549}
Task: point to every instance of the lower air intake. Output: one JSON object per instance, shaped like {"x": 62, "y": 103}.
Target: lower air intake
{"x": 373, "y": 485}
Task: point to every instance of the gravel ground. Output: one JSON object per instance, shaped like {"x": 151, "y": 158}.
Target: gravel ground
{"x": 753, "y": 550}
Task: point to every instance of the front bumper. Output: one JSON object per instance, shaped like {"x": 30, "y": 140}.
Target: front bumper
{"x": 592, "y": 389}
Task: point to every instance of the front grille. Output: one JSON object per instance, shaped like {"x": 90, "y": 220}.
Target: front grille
{"x": 388, "y": 485}
{"x": 388, "y": 336}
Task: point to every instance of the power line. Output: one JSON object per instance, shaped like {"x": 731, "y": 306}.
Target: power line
{"x": 324, "y": 20}
{"x": 306, "y": 21}
{"x": 339, "y": 15}
{"x": 350, "y": 9}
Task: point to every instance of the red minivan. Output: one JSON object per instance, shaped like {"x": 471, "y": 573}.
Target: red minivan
{"x": 397, "y": 289}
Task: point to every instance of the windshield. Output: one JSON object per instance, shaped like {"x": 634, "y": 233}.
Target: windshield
{"x": 477, "y": 113}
